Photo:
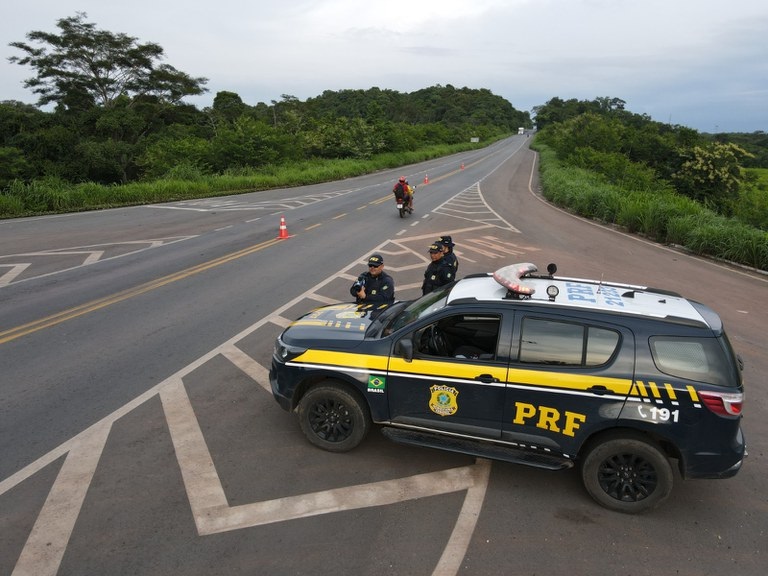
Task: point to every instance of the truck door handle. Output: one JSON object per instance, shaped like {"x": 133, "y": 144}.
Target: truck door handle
{"x": 599, "y": 389}
{"x": 486, "y": 378}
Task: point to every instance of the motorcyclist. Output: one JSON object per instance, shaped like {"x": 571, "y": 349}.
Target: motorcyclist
{"x": 403, "y": 193}
{"x": 410, "y": 189}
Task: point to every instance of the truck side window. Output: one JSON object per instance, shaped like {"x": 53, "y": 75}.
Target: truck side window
{"x": 565, "y": 343}
{"x": 463, "y": 336}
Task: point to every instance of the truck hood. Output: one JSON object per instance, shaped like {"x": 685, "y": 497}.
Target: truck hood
{"x": 338, "y": 322}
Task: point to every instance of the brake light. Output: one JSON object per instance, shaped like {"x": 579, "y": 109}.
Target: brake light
{"x": 723, "y": 403}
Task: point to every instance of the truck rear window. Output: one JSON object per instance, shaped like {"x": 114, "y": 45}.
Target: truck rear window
{"x": 701, "y": 359}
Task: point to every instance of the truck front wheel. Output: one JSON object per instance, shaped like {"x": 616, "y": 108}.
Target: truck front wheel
{"x": 333, "y": 418}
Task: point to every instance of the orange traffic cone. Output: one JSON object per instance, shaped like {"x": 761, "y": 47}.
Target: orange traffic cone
{"x": 283, "y": 229}
{"x": 426, "y": 179}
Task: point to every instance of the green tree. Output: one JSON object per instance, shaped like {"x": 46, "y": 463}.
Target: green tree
{"x": 227, "y": 106}
{"x": 13, "y": 165}
{"x": 711, "y": 174}
{"x": 168, "y": 152}
{"x": 83, "y": 65}
{"x": 247, "y": 142}
{"x": 587, "y": 130}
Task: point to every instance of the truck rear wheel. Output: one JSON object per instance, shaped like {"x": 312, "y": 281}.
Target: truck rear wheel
{"x": 627, "y": 475}
{"x": 333, "y": 418}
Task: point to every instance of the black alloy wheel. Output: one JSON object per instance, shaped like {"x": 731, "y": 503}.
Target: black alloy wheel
{"x": 333, "y": 418}
{"x": 628, "y": 475}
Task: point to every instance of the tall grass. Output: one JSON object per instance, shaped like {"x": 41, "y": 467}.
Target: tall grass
{"x": 659, "y": 214}
{"x": 187, "y": 181}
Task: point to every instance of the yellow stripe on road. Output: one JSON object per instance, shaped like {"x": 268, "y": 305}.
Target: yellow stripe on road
{"x": 58, "y": 318}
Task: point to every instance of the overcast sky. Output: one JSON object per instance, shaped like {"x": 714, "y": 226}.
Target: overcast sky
{"x": 697, "y": 63}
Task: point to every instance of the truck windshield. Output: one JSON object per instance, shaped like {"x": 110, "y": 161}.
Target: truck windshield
{"x": 419, "y": 308}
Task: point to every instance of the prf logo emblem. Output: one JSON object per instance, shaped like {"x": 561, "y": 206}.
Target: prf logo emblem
{"x": 376, "y": 384}
{"x": 443, "y": 400}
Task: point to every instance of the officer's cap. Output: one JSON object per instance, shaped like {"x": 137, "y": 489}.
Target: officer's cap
{"x": 446, "y": 241}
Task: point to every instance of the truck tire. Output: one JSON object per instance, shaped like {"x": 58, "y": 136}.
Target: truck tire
{"x": 627, "y": 474}
{"x": 333, "y": 418}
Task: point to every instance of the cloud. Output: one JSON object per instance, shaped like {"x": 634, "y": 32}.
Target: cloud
{"x": 701, "y": 63}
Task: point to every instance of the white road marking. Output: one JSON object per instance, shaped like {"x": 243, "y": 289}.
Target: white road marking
{"x": 454, "y": 552}
{"x": 13, "y": 273}
{"x": 248, "y": 365}
{"x": 469, "y": 204}
{"x": 91, "y": 256}
{"x": 241, "y": 204}
{"x": 208, "y": 501}
{"x": 47, "y": 542}
{"x": 323, "y": 299}
{"x": 50, "y": 535}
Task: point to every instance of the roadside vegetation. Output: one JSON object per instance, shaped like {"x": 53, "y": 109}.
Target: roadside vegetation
{"x": 119, "y": 133}
{"x": 667, "y": 183}
{"x": 186, "y": 181}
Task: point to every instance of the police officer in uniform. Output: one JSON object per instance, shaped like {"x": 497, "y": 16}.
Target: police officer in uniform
{"x": 439, "y": 272}
{"x": 448, "y": 254}
{"x": 374, "y": 286}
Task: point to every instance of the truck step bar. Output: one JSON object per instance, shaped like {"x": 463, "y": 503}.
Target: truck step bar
{"x": 477, "y": 448}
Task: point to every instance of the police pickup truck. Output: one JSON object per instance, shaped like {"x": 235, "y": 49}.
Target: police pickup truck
{"x": 624, "y": 381}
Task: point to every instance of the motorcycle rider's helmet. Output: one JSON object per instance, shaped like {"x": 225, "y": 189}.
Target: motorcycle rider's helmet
{"x": 402, "y": 179}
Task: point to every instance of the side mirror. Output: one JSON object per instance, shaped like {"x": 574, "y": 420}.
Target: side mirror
{"x": 404, "y": 348}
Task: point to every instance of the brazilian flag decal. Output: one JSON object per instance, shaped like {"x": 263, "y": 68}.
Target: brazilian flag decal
{"x": 376, "y": 384}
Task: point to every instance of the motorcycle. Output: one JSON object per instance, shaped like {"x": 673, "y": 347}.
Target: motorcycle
{"x": 402, "y": 204}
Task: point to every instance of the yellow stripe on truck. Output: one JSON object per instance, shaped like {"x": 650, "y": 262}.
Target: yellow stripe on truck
{"x": 579, "y": 382}
{"x": 342, "y": 359}
{"x": 463, "y": 371}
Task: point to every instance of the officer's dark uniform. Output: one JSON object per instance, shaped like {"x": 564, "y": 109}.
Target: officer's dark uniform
{"x": 449, "y": 256}
{"x": 379, "y": 289}
{"x": 438, "y": 273}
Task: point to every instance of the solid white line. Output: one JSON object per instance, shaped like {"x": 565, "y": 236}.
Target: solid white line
{"x": 322, "y": 299}
{"x": 15, "y": 270}
{"x": 201, "y": 480}
{"x": 383, "y": 493}
{"x": 248, "y": 365}
{"x": 456, "y": 548}
{"x": 50, "y": 535}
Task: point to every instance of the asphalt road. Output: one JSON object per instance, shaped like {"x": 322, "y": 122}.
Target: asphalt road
{"x": 138, "y": 434}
